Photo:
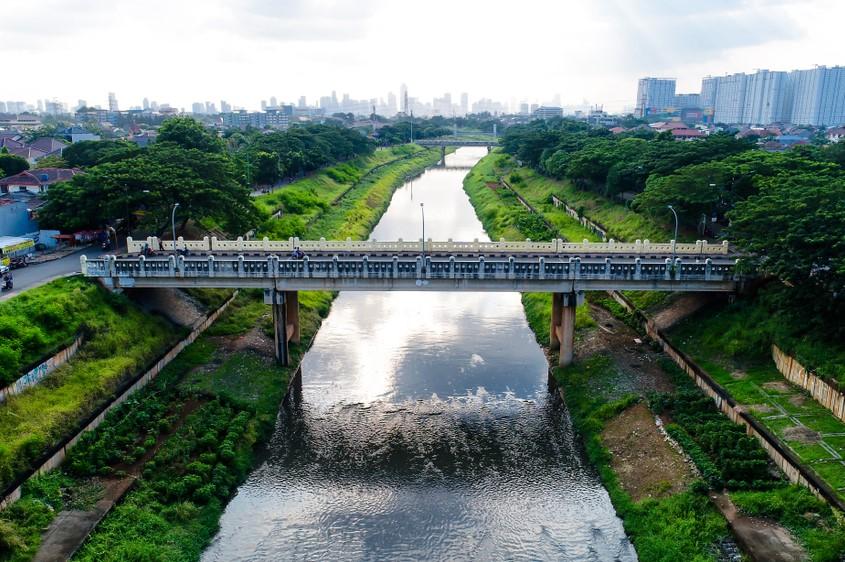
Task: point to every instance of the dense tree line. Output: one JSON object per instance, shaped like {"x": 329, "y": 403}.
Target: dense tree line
{"x": 187, "y": 165}
{"x": 265, "y": 158}
{"x": 786, "y": 209}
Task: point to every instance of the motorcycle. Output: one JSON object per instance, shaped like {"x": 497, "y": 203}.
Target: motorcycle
{"x": 8, "y": 285}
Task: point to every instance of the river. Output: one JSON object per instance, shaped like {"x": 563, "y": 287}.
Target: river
{"x": 425, "y": 431}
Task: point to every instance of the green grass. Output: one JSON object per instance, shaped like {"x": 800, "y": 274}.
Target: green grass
{"x": 355, "y": 215}
{"x": 732, "y": 343}
{"x": 620, "y": 222}
{"x": 246, "y": 310}
{"x": 40, "y": 321}
{"x": 684, "y": 526}
{"x": 211, "y": 299}
{"x": 817, "y": 526}
{"x": 43, "y": 415}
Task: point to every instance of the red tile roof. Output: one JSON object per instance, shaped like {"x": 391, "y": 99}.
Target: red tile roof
{"x": 40, "y": 176}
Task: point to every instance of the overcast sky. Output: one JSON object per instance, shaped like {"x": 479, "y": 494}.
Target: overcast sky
{"x": 180, "y": 51}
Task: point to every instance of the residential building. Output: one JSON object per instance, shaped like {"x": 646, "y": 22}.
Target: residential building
{"x": 729, "y": 106}
{"x": 36, "y": 181}
{"x": 17, "y": 214}
{"x": 547, "y": 112}
{"x": 654, "y": 95}
{"x": 272, "y": 118}
{"x": 767, "y": 98}
{"x": 836, "y": 134}
{"x": 683, "y": 101}
{"x": 819, "y": 96}
{"x": 77, "y": 134}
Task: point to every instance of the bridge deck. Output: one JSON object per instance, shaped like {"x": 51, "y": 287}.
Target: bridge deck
{"x": 405, "y": 270}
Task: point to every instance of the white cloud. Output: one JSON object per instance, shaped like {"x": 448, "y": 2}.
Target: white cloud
{"x": 245, "y": 51}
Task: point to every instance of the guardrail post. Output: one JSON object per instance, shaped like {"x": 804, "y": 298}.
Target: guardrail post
{"x": 396, "y": 267}
{"x": 677, "y": 269}
{"x": 419, "y": 266}
{"x": 607, "y": 271}
{"x": 638, "y": 266}
{"x": 335, "y": 272}
{"x": 142, "y": 266}
{"x": 638, "y": 246}
{"x": 428, "y": 267}
{"x": 306, "y": 267}
{"x": 171, "y": 265}
{"x": 481, "y": 267}
{"x": 366, "y": 272}
{"x": 181, "y": 242}
{"x": 542, "y": 268}
{"x": 699, "y": 246}
{"x": 577, "y": 268}
{"x": 180, "y": 265}
{"x": 211, "y": 266}
{"x": 206, "y": 243}
{"x": 451, "y": 267}
{"x": 708, "y": 266}
{"x": 83, "y": 264}
{"x": 511, "y": 268}
{"x": 213, "y": 243}
{"x": 668, "y": 274}
{"x": 241, "y": 272}
{"x": 240, "y": 242}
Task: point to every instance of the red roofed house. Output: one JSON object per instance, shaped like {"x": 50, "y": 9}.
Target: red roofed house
{"x": 36, "y": 181}
{"x": 686, "y": 134}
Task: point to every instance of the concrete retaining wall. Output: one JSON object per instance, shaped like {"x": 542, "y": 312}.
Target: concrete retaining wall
{"x": 785, "y": 459}
{"x": 36, "y": 374}
{"x": 593, "y": 227}
{"x": 822, "y": 392}
{"x": 56, "y": 456}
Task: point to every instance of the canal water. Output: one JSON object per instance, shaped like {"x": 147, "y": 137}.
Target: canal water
{"x": 425, "y": 431}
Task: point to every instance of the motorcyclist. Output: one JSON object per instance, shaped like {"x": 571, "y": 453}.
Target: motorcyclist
{"x": 297, "y": 253}
{"x": 7, "y": 282}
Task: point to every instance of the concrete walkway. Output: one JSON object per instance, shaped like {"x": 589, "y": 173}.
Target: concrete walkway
{"x": 69, "y": 529}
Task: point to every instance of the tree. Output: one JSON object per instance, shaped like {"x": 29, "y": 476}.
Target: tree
{"x": 11, "y": 164}
{"x": 90, "y": 153}
{"x": 794, "y": 229}
{"x": 189, "y": 133}
{"x": 267, "y": 168}
{"x": 54, "y": 161}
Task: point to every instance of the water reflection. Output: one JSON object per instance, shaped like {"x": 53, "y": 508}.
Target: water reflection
{"x": 425, "y": 430}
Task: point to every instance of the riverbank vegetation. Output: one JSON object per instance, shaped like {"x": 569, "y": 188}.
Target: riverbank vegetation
{"x": 35, "y": 420}
{"x": 189, "y": 436}
{"x": 683, "y": 525}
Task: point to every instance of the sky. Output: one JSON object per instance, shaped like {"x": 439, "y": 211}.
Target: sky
{"x": 243, "y": 51}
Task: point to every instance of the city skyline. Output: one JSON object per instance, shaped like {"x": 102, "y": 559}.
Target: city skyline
{"x": 247, "y": 52}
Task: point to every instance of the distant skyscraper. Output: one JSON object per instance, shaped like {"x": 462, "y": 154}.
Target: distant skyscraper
{"x": 225, "y": 107}
{"x": 683, "y": 101}
{"x": 767, "y": 98}
{"x": 403, "y": 97}
{"x": 263, "y": 105}
{"x": 2, "y": 107}
{"x": 729, "y": 106}
{"x": 197, "y": 108}
{"x": 818, "y": 96}
{"x": 145, "y": 104}
{"x": 113, "y": 102}
{"x": 654, "y": 95}
{"x": 391, "y": 104}
{"x": 273, "y": 101}
{"x": 464, "y": 103}
{"x": 303, "y": 103}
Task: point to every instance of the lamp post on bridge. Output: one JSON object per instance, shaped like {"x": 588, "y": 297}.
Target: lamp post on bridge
{"x": 173, "y": 224}
{"x": 422, "y": 212}
{"x": 675, "y": 239}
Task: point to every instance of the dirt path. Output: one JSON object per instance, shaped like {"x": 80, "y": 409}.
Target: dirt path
{"x": 71, "y": 528}
{"x": 642, "y": 458}
{"x": 762, "y": 540}
{"x": 681, "y": 307}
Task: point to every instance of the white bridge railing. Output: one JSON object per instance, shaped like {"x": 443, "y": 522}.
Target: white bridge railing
{"x": 557, "y": 246}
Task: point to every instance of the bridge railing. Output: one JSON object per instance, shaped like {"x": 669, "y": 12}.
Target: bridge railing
{"x": 274, "y": 267}
{"x": 559, "y": 246}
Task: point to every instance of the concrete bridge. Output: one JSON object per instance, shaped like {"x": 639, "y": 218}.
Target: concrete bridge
{"x": 456, "y": 141}
{"x": 564, "y": 269}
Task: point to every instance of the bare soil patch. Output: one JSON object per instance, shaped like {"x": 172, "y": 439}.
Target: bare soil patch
{"x": 738, "y": 374}
{"x": 802, "y": 434}
{"x": 646, "y": 464}
{"x": 681, "y": 307}
{"x": 777, "y": 386}
{"x": 637, "y": 363}
{"x": 797, "y": 400}
{"x": 760, "y": 408}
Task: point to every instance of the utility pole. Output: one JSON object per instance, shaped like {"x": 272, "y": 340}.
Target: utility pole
{"x": 422, "y": 212}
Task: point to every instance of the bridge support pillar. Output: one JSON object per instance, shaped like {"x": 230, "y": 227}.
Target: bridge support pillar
{"x": 562, "y": 329}
{"x": 285, "y": 321}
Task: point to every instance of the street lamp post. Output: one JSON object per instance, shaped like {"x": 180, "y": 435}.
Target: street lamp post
{"x": 675, "y": 239}
{"x": 173, "y": 224}
{"x": 422, "y": 212}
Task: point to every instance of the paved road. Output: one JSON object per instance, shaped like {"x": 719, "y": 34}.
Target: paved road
{"x": 41, "y": 273}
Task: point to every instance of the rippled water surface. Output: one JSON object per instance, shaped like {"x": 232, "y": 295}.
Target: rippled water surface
{"x": 425, "y": 430}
